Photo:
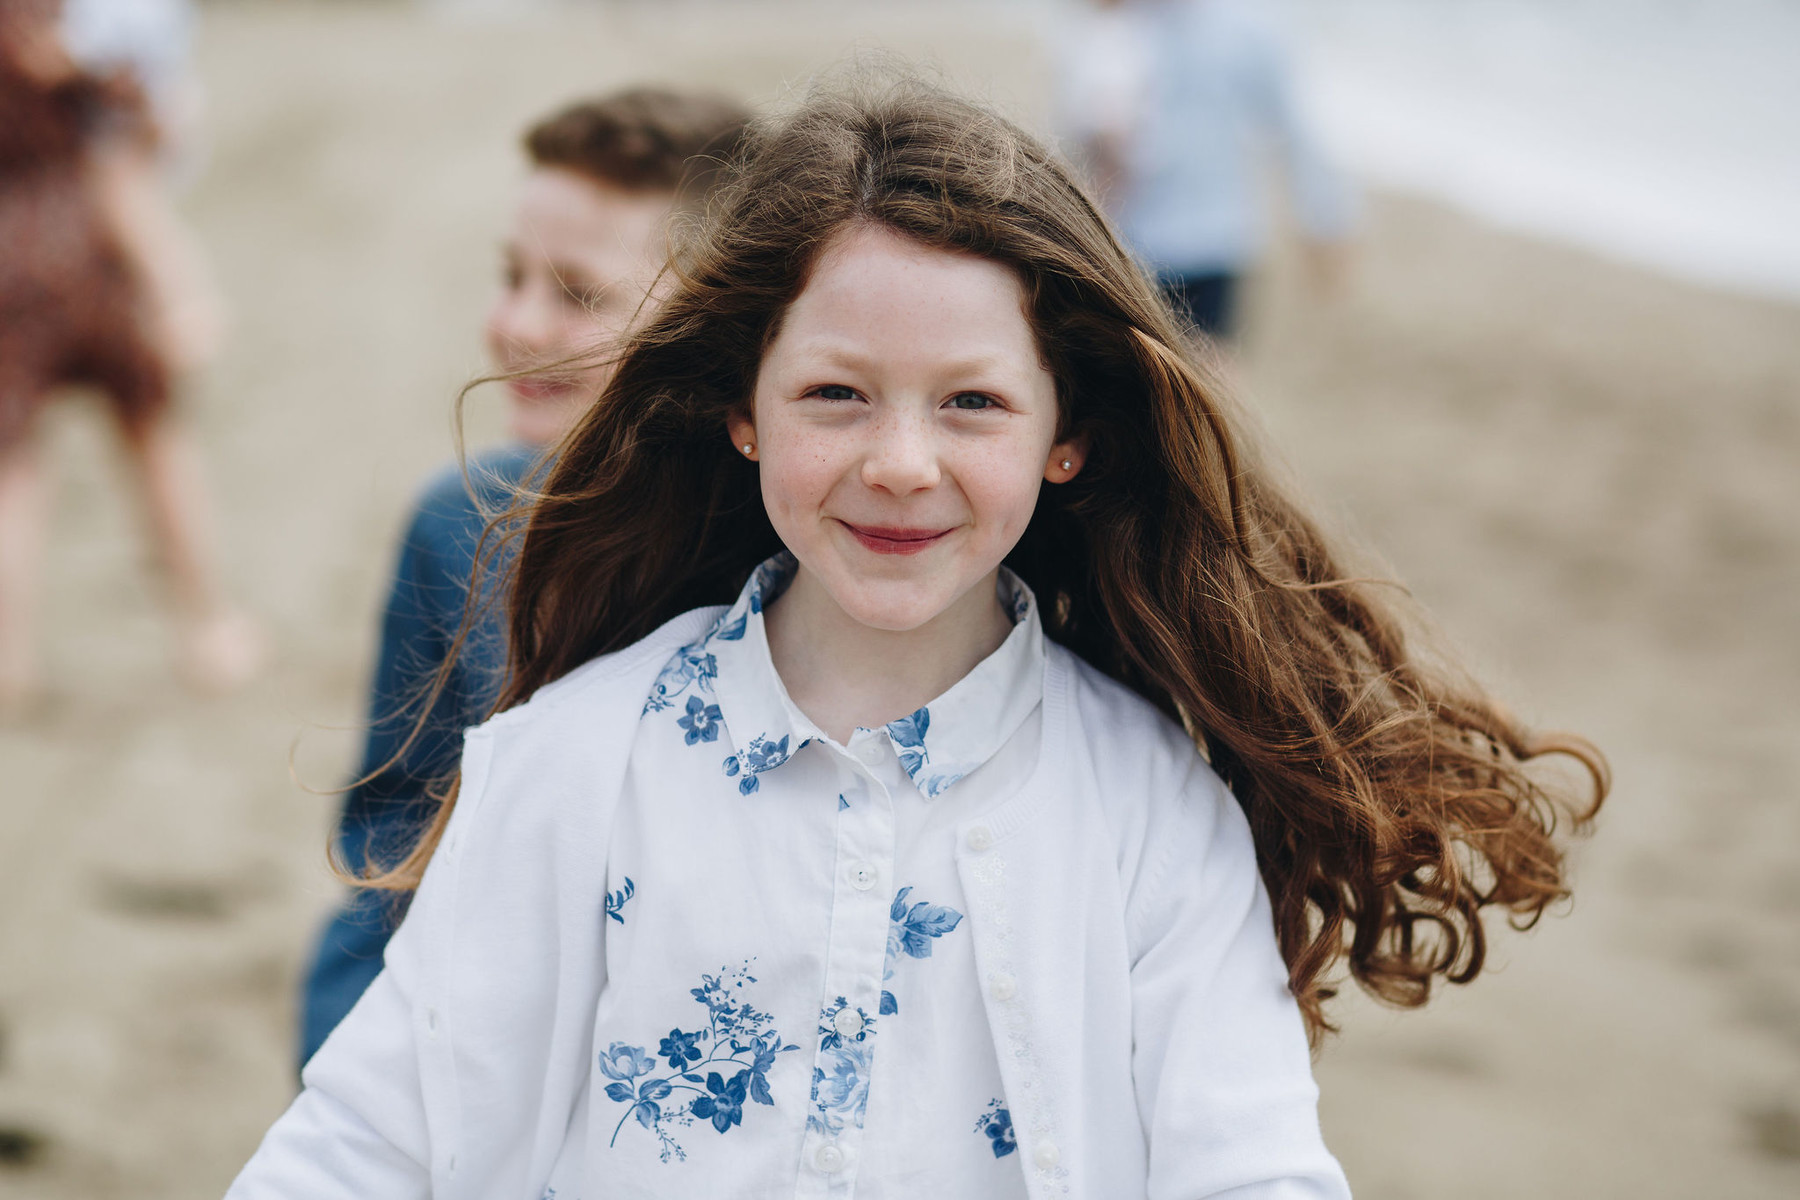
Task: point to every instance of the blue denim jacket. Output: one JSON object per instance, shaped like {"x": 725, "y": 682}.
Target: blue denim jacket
{"x": 382, "y": 813}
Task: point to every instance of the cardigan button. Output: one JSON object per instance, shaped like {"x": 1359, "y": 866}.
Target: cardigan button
{"x": 979, "y": 839}
{"x": 1046, "y": 1155}
{"x": 829, "y": 1159}
{"x": 1003, "y": 986}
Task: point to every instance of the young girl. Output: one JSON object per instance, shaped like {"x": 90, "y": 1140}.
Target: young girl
{"x": 845, "y": 830}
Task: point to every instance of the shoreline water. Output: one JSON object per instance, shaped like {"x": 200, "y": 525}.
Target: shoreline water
{"x": 1658, "y": 133}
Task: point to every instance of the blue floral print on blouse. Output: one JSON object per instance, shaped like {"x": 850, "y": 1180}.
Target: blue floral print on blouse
{"x": 695, "y": 666}
{"x": 759, "y": 756}
{"x": 615, "y": 901}
{"x": 908, "y": 734}
{"x": 712, "y": 1072}
{"x": 840, "y": 1089}
{"x": 996, "y": 1125}
{"x": 692, "y": 666}
{"x": 701, "y": 722}
{"x": 911, "y": 931}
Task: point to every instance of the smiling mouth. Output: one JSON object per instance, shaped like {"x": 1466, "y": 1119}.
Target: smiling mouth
{"x": 883, "y": 539}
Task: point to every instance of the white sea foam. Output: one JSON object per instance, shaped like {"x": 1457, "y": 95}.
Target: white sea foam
{"x": 1659, "y": 131}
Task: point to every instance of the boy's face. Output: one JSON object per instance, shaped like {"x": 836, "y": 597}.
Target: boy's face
{"x": 579, "y": 260}
{"x": 904, "y": 424}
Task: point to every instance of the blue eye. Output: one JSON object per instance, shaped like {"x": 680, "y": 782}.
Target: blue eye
{"x": 834, "y": 391}
{"x": 971, "y": 401}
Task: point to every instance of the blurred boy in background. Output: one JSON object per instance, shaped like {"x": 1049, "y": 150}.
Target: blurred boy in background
{"x": 587, "y": 242}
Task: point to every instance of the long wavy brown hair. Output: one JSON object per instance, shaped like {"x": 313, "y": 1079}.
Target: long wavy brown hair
{"x": 1390, "y": 798}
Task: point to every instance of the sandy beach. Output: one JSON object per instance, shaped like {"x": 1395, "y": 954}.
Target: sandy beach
{"x": 1590, "y": 474}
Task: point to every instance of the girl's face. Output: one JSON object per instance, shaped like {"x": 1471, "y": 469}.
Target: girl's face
{"x": 904, "y": 423}
{"x": 579, "y": 259}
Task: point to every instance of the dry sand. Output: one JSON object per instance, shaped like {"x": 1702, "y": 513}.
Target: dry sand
{"x": 1589, "y": 473}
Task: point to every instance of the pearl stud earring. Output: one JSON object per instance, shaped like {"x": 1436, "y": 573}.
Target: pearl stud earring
{"x": 748, "y": 447}
{"x": 1065, "y": 464}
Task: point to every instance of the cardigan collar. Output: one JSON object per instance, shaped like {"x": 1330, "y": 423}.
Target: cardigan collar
{"x": 937, "y": 744}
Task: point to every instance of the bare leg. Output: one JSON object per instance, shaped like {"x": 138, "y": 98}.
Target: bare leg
{"x": 23, "y": 509}
{"x": 221, "y": 647}
{"x": 187, "y": 317}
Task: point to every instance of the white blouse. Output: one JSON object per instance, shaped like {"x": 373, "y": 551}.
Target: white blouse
{"x": 1135, "y": 1003}
{"x": 792, "y": 1004}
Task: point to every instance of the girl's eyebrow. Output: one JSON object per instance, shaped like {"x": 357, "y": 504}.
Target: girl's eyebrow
{"x": 846, "y": 357}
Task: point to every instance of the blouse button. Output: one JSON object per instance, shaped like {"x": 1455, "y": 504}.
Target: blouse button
{"x": 1046, "y": 1155}
{"x": 979, "y": 839}
{"x": 848, "y": 1022}
{"x": 1003, "y": 987}
{"x": 829, "y": 1158}
{"x": 871, "y": 752}
{"x": 863, "y": 876}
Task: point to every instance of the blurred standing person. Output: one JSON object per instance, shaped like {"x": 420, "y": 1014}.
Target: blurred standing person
{"x": 93, "y": 294}
{"x": 1176, "y": 106}
{"x": 149, "y": 42}
{"x": 587, "y": 242}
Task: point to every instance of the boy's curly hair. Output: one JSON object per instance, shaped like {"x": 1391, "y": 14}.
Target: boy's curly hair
{"x": 642, "y": 139}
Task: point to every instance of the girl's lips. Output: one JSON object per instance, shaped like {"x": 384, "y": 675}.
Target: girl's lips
{"x": 890, "y": 539}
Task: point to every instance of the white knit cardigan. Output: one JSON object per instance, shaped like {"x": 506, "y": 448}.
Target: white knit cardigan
{"x": 1148, "y": 1043}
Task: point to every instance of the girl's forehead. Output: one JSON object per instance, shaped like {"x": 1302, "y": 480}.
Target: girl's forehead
{"x": 872, "y": 285}
{"x": 868, "y": 249}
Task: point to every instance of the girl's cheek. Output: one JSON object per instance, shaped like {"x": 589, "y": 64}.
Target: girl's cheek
{"x": 793, "y": 483}
{"x": 1003, "y": 479}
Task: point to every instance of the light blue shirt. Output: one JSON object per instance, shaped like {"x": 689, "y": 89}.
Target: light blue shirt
{"x": 817, "y": 1029}
{"x": 1215, "y": 104}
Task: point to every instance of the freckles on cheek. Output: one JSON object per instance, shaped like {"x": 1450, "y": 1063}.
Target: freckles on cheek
{"x": 1002, "y": 487}
{"x": 803, "y": 467}
{"x": 793, "y": 483}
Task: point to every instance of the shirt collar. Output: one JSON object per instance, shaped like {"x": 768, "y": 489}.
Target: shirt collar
{"x": 937, "y": 745}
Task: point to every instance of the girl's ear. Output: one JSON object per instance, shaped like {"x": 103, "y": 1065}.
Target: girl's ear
{"x": 743, "y": 434}
{"x": 1066, "y": 459}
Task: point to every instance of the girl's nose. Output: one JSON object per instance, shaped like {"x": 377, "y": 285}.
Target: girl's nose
{"x": 902, "y": 457}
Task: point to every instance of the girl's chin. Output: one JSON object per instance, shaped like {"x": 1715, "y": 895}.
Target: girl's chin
{"x": 891, "y": 605}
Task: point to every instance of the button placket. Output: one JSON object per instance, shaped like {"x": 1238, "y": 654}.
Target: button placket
{"x": 861, "y": 893}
